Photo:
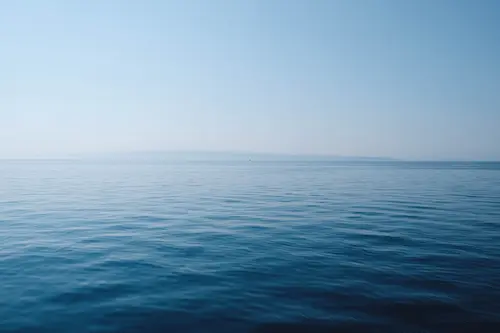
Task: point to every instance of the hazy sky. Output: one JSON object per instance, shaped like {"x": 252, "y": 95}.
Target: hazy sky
{"x": 408, "y": 79}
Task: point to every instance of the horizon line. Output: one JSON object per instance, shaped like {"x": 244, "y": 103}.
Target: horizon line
{"x": 241, "y": 154}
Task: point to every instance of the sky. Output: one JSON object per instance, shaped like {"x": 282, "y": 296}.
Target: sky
{"x": 402, "y": 79}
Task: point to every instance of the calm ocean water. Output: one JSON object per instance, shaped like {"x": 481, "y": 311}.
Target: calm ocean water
{"x": 249, "y": 247}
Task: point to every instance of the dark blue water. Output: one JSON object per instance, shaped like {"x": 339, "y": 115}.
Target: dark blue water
{"x": 249, "y": 247}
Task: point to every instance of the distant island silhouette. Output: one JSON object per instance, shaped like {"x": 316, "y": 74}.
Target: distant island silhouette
{"x": 234, "y": 156}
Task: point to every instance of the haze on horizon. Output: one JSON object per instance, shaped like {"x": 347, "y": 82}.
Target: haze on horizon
{"x": 401, "y": 79}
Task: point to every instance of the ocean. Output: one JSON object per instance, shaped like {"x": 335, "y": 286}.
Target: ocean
{"x": 249, "y": 246}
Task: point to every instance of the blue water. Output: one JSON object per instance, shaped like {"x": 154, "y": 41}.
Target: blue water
{"x": 249, "y": 247}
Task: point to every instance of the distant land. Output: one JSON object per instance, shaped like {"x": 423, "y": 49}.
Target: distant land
{"x": 229, "y": 156}
{"x": 200, "y": 156}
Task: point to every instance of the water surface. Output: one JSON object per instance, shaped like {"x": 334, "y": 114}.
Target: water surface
{"x": 88, "y": 246}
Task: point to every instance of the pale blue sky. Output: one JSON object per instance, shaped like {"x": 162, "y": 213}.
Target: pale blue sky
{"x": 406, "y": 79}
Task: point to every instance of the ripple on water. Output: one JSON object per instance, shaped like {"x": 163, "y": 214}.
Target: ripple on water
{"x": 260, "y": 247}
